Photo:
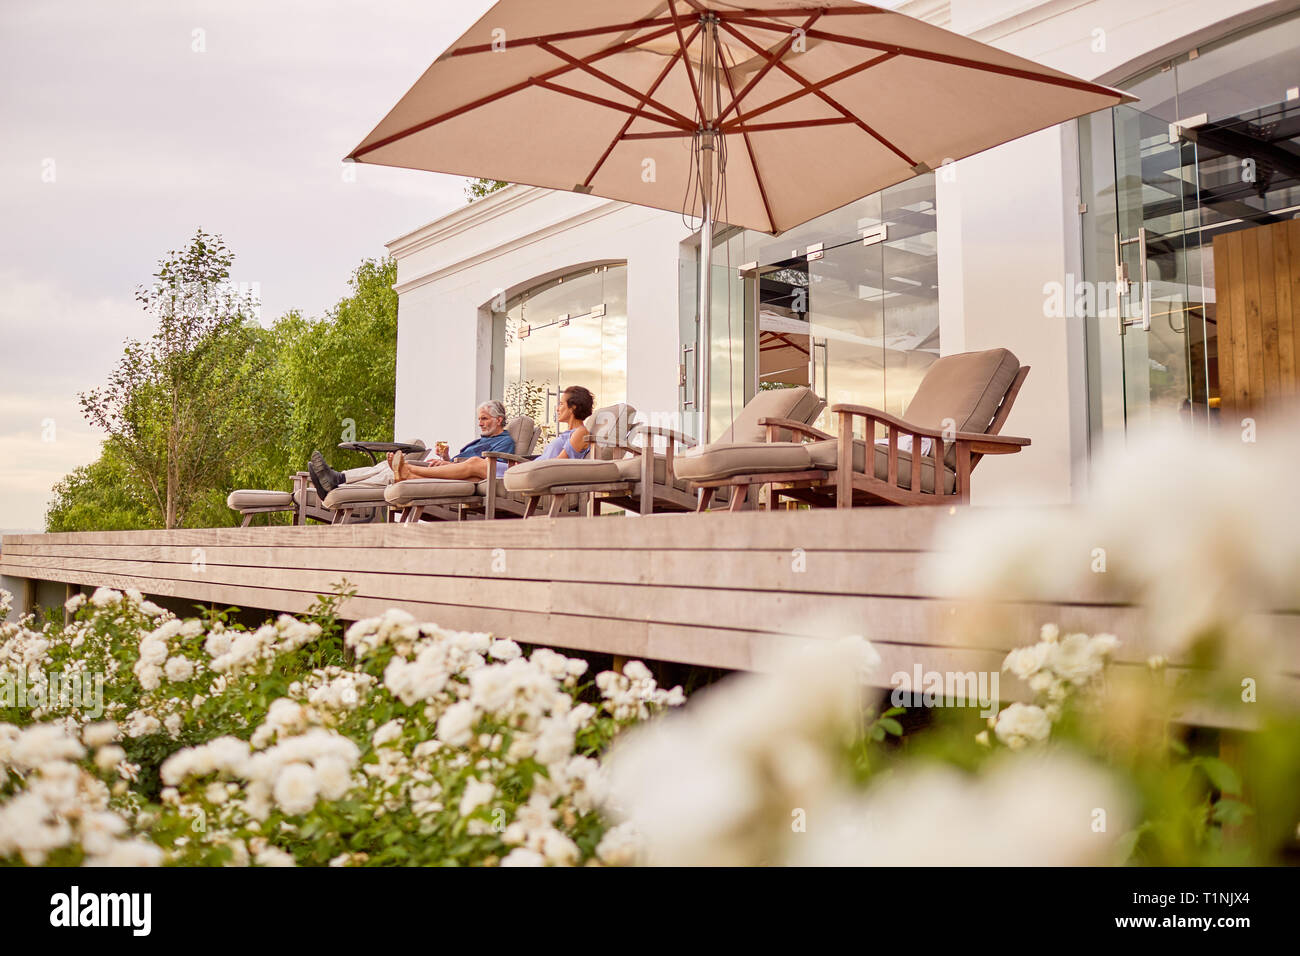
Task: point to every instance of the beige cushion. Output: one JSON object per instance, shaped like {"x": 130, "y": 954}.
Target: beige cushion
{"x": 524, "y": 431}
{"x": 630, "y": 470}
{"x": 403, "y": 493}
{"x": 354, "y": 494}
{"x": 966, "y": 387}
{"x": 722, "y": 460}
{"x": 800, "y": 403}
{"x": 610, "y": 423}
{"x": 824, "y": 454}
{"x": 258, "y": 498}
{"x": 535, "y": 477}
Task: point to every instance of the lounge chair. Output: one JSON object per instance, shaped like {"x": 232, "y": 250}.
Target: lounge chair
{"x": 302, "y": 502}
{"x": 603, "y": 471}
{"x": 953, "y": 420}
{"x": 451, "y": 499}
{"x": 637, "y": 478}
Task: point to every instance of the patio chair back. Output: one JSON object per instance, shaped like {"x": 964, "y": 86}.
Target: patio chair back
{"x": 608, "y": 428}
{"x": 800, "y": 404}
{"x": 967, "y": 388}
{"x": 524, "y": 431}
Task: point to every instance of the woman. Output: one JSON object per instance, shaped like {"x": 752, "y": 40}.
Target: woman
{"x": 575, "y": 405}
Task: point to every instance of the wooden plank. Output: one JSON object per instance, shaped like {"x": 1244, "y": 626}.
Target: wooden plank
{"x": 1271, "y": 334}
{"x": 1292, "y": 289}
{"x": 814, "y": 571}
{"x": 1223, "y": 327}
{"x": 906, "y": 529}
{"x": 1285, "y": 268}
{"x": 1249, "y": 285}
{"x": 1242, "y": 396}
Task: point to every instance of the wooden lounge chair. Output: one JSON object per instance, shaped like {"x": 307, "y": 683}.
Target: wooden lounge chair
{"x": 641, "y": 480}
{"x": 302, "y": 502}
{"x": 953, "y": 420}
{"x": 449, "y": 499}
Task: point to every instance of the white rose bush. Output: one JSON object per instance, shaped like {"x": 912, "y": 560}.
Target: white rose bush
{"x": 217, "y": 745}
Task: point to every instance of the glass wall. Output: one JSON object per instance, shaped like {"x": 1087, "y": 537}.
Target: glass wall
{"x": 571, "y": 330}
{"x": 1212, "y": 147}
{"x": 847, "y": 304}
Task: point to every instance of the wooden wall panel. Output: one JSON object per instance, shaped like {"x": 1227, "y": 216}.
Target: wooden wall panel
{"x": 1257, "y": 287}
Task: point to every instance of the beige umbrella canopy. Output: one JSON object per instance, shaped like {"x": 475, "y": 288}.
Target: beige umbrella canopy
{"x": 819, "y": 103}
{"x": 762, "y": 114}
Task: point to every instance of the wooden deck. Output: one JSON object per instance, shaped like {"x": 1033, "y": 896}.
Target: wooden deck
{"x": 720, "y": 590}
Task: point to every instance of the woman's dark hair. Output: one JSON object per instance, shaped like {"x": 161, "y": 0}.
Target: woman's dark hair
{"x": 581, "y": 401}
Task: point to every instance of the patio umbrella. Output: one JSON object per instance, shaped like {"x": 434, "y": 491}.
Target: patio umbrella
{"x": 761, "y": 115}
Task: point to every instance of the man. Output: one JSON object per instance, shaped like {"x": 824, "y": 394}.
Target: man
{"x": 467, "y": 463}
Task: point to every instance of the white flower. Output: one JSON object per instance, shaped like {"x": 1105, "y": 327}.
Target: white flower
{"x": 99, "y": 734}
{"x": 334, "y": 777}
{"x": 455, "y": 726}
{"x": 504, "y": 650}
{"x": 477, "y": 792}
{"x": 1022, "y": 724}
{"x": 620, "y": 846}
{"x": 153, "y": 651}
{"x": 296, "y": 789}
{"x": 179, "y": 669}
{"x": 1025, "y": 662}
{"x": 1076, "y": 659}
{"x": 106, "y": 758}
{"x": 174, "y": 723}
{"x": 520, "y": 856}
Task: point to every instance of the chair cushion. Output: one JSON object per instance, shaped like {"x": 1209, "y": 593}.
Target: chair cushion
{"x": 403, "y": 493}
{"x": 608, "y": 424}
{"x": 258, "y": 498}
{"x": 535, "y": 477}
{"x": 354, "y": 494}
{"x": 524, "y": 431}
{"x": 825, "y": 454}
{"x": 800, "y": 403}
{"x": 630, "y": 470}
{"x": 724, "y": 459}
{"x": 966, "y": 387}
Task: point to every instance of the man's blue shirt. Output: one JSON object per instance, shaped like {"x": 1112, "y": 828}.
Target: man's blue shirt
{"x": 478, "y": 446}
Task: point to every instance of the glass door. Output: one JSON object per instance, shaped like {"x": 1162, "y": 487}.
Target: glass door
{"x": 1158, "y": 302}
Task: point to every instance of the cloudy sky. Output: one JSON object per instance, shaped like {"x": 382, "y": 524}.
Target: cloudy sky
{"x": 128, "y": 125}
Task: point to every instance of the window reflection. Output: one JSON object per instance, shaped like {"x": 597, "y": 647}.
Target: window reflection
{"x": 567, "y": 331}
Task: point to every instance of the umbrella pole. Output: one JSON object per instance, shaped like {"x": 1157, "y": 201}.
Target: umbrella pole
{"x": 707, "y": 158}
{"x": 703, "y": 350}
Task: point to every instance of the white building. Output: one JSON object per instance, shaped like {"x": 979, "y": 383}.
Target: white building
{"x": 529, "y": 290}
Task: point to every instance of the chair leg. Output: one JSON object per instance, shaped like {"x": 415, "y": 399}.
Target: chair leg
{"x": 706, "y": 497}
{"x": 530, "y": 508}
{"x": 248, "y": 519}
{"x": 557, "y": 503}
{"x": 593, "y": 505}
{"x": 739, "y": 498}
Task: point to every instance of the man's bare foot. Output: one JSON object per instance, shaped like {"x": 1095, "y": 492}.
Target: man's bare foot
{"x": 399, "y": 466}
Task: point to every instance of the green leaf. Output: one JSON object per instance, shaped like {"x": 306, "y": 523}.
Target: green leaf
{"x": 1224, "y": 778}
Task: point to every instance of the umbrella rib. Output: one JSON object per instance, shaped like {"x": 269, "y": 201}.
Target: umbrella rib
{"x": 743, "y": 127}
{"x": 643, "y": 98}
{"x": 772, "y": 59}
{"x": 749, "y": 147}
{"x": 820, "y": 84}
{"x": 611, "y": 104}
{"x": 1069, "y": 82}
{"x": 823, "y": 96}
{"x": 570, "y": 35}
{"x": 686, "y": 59}
{"x": 501, "y": 94}
{"x": 654, "y": 86}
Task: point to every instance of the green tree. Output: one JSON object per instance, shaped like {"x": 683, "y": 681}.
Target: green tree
{"x": 478, "y": 188}
{"x": 101, "y": 496}
{"x": 172, "y": 404}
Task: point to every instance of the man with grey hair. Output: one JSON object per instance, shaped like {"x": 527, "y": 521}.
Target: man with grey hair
{"x": 467, "y": 463}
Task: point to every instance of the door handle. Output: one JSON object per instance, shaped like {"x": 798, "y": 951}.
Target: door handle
{"x": 682, "y": 374}
{"x": 1123, "y": 287}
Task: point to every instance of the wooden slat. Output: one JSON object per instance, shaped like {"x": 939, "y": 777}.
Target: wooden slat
{"x": 1243, "y": 396}
{"x": 1265, "y": 292}
{"x": 1224, "y": 323}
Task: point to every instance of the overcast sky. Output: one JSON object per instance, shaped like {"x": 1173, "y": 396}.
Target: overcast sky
{"x": 150, "y": 130}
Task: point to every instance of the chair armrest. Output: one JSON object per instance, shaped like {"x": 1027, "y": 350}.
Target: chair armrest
{"x": 505, "y": 456}
{"x": 791, "y": 425}
{"x": 864, "y": 411}
{"x": 661, "y": 432}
